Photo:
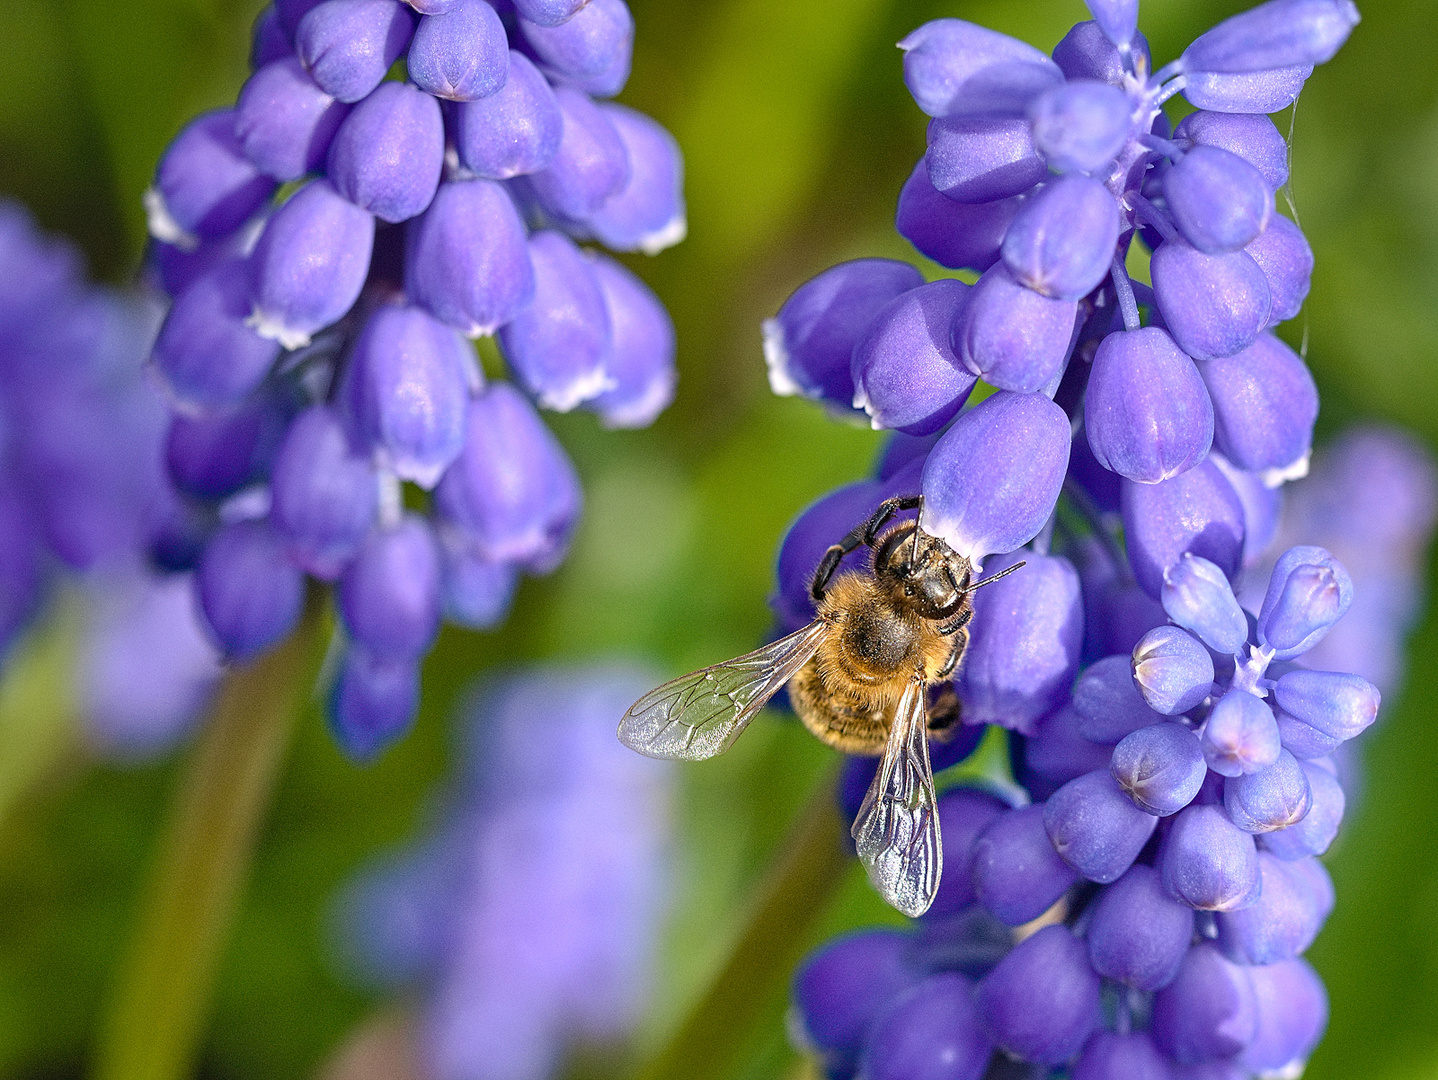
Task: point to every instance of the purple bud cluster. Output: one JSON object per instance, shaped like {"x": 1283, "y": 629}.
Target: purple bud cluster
{"x": 83, "y": 493}
{"x": 528, "y": 918}
{"x": 331, "y": 242}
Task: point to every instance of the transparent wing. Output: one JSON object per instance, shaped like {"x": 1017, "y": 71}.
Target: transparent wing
{"x": 701, "y": 714}
{"x": 897, "y": 829}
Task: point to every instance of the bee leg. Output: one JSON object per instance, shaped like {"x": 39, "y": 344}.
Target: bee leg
{"x": 861, "y": 534}
{"x": 958, "y": 622}
{"x": 944, "y": 713}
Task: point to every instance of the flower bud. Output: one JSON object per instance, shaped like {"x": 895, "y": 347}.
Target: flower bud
{"x": 1086, "y": 53}
{"x": 213, "y": 455}
{"x": 1208, "y": 862}
{"x": 461, "y": 54}
{"x": 957, "y": 235}
{"x": 1315, "y": 831}
{"x": 1160, "y": 767}
{"x": 373, "y": 702}
{"x": 1062, "y": 240}
{"x": 1017, "y": 873}
{"x": 174, "y": 269}
{"x": 591, "y": 50}
{"x": 1010, "y": 336}
{"x": 250, "y": 592}
{"x": 1246, "y": 92}
{"x": 1146, "y": 411}
{"x": 1264, "y": 406}
{"x": 953, "y": 67}
{"x": 349, "y": 45}
{"x": 284, "y": 121}
{"x": 309, "y": 265}
{"x": 808, "y": 346}
{"x": 290, "y": 12}
{"x": 475, "y": 592}
{"x": 1139, "y": 934}
{"x": 512, "y": 132}
{"x": 980, "y": 159}
{"x": 931, "y": 1030}
{"x": 1024, "y": 643}
{"x": 1118, "y": 19}
{"x": 905, "y": 373}
{"x": 269, "y": 40}
{"x": 561, "y": 345}
{"x": 325, "y": 493}
{"x": 1241, "y": 735}
{"x": 1261, "y": 507}
{"x": 1304, "y": 741}
{"x": 466, "y": 258}
{"x": 1107, "y": 703}
{"x": 591, "y": 165}
{"x": 1282, "y": 253}
{"x": 1281, "y": 925}
{"x": 1292, "y": 1011}
{"x": 1271, "y": 798}
{"x": 1172, "y": 669}
{"x": 205, "y": 357}
{"x": 1185, "y": 280}
{"x": 1081, "y": 126}
{"x": 1251, "y": 136}
{"x": 1208, "y": 1011}
{"x": 389, "y": 595}
{"x": 647, "y": 214}
{"x": 642, "y": 364}
{"x": 1278, "y": 34}
{"x": 1056, "y": 753}
{"x": 1199, "y": 598}
{"x": 388, "y": 154}
{"x": 205, "y": 188}
{"x": 548, "y": 12}
{"x": 1095, "y": 828}
{"x": 1041, "y": 1001}
{"x": 1307, "y": 593}
{"x": 1196, "y": 512}
{"x": 982, "y": 495}
{"x": 1336, "y": 704}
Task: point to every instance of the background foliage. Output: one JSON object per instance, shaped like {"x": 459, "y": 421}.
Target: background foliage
{"x": 798, "y": 134}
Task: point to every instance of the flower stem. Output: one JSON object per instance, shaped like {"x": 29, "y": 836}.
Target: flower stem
{"x": 805, "y": 874}
{"x": 160, "y": 1005}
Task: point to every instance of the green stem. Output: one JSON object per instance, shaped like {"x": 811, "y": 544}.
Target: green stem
{"x": 808, "y": 870}
{"x": 161, "y": 1002}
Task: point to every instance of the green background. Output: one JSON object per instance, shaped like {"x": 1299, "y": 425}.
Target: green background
{"x": 797, "y": 134}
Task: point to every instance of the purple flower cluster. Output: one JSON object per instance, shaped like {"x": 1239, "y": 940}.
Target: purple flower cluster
{"x": 331, "y": 242}
{"x": 530, "y": 917}
{"x": 83, "y": 495}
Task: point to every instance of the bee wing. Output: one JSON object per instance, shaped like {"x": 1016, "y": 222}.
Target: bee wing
{"x": 701, "y": 714}
{"x": 897, "y": 829}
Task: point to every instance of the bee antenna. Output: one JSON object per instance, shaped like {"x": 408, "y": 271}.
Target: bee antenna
{"x": 993, "y": 577}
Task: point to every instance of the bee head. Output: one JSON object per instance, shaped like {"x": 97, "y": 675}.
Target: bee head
{"x": 923, "y": 573}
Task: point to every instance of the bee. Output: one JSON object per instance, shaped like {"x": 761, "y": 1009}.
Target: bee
{"x": 859, "y": 677}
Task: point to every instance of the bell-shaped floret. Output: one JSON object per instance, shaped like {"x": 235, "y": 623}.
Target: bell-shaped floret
{"x": 1017, "y": 873}
{"x": 1246, "y": 92}
{"x": 1282, "y": 253}
{"x": 1261, "y": 507}
{"x": 325, "y": 493}
{"x": 205, "y": 356}
{"x": 1213, "y": 305}
{"x": 1095, "y": 828}
{"x": 1241, "y": 735}
{"x": 820, "y": 525}
{"x": 1146, "y": 410}
{"x": 466, "y": 258}
{"x": 964, "y": 813}
{"x": 1197, "y": 596}
{"x": 1196, "y": 512}
{"x": 212, "y": 455}
{"x": 269, "y": 40}
{"x": 290, "y": 12}
{"x": 953, "y": 67}
{"x": 980, "y": 159}
{"x": 475, "y": 592}
{"x": 982, "y": 493}
{"x": 809, "y": 345}
{"x": 1139, "y": 934}
{"x": 1081, "y": 126}
{"x": 548, "y": 12}
{"x": 1118, "y": 19}
{"x": 406, "y": 388}
{"x": 1056, "y": 753}
{"x": 561, "y": 345}
{"x": 1172, "y": 669}
{"x": 961, "y": 236}
{"x": 1292, "y": 1011}
{"x": 1335, "y": 703}
{"x": 389, "y": 595}
{"x": 349, "y": 45}
{"x": 1160, "y": 767}
{"x": 1218, "y": 201}
{"x": 512, "y": 132}
{"x": 1024, "y": 642}
{"x": 1086, "y": 53}
{"x": 1208, "y": 862}
{"x": 1268, "y": 799}
{"x": 1208, "y": 1011}
{"x": 205, "y": 187}
{"x": 1131, "y": 1056}
{"x": 1308, "y": 592}
{"x": 1251, "y": 136}
{"x": 1041, "y": 1001}
{"x": 284, "y": 121}
{"x": 460, "y": 55}
{"x": 642, "y": 365}
{"x": 250, "y": 593}
{"x": 1011, "y": 336}
{"x": 309, "y": 265}
{"x": 1278, "y": 34}
{"x": 1107, "y": 702}
{"x": 905, "y": 373}
{"x": 1264, "y": 403}
{"x": 388, "y": 154}
{"x": 513, "y": 491}
{"x": 1062, "y": 240}
{"x": 931, "y": 1032}
{"x": 591, "y": 165}
{"x": 1304, "y": 741}
{"x": 590, "y": 51}
{"x": 1283, "y": 923}
{"x": 373, "y": 701}
{"x": 647, "y": 214}
{"x": 1316, "y": 831}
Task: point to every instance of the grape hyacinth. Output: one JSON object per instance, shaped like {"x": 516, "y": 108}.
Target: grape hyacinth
{"x": 528, "y": 919}
{"x": 332, "y": 242}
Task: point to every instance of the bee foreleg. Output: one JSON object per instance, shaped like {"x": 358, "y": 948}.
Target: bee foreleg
{"x": 957, "y": 623}
{"x": 863, "y": 534}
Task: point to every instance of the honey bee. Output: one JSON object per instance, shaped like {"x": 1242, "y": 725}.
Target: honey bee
{"x": 859, "y": 677}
